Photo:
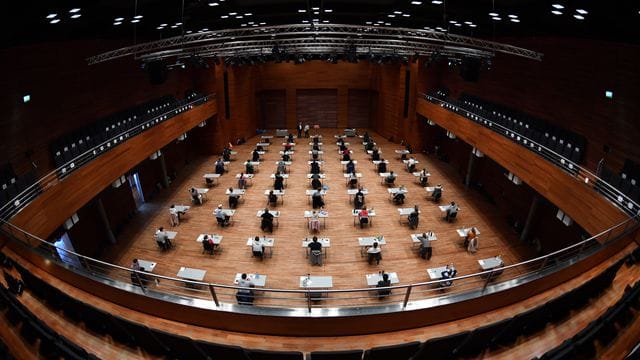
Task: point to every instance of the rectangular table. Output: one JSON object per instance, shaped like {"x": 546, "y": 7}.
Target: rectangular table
{"x": 372, "y": 279}
{"x": 191, "y": 274}
{"x": 352, "y": 193}
{"x": 344, "y": 164}
{"x": 372, "y": 214}
{"x": 278, "y": 193}
{"x": 320, "y": 154}
{"x": 402, "y": 152}
{"x": 258, "y": 280}
{"x": 490, "y": 263}
{"x": 263, "y": 144}
{"x": 276, "y": 215}
{"x": 383, "y": 176}
{"x": 322, "y": 214}
{"x": 464, "y": 231}
{"x": 228, "y": 212}
{"x": 267, "y": 138}
{"x": 316, "y": 283}
{"x": 287, "y": 165}
{"x": 398, "y": 190}
{"x": 310, "y": 193}
{"x": 266, "y": 242}
{"x": 436, "y": 273}
{"x": 211, "y": 177}
{"x": 346, "y": 177}
{"x": 236, "y": 192}
{"x": 405, "y": 212}
{"x": 282, "y": 132}
{"x": 367, "y": 241}
{"x": 418, "y": 175}
{"x": 247, "y": 177}
{"x": 444, "y": 208}
{"x": 182, "y": 208}
{"x": 148, "y": 266}
{"x": 326, "y": 244}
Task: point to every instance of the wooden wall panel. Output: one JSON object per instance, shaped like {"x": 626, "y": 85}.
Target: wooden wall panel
{"x": 567, "y": 89}
{"x": 578, "y": 200}
{"x": 317, "y": 106}
{"x": 51, "y": 208}
{"x": 273, "y": 109}
{"x": 390, "y": 100}
{"x": 359, "y": 108}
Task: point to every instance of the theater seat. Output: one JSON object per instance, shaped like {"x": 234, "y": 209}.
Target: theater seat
{"x": 274, "y": 355}
{"x": 399, "y": 352}
{"x": 219, "y": 351}
{"x": 336, "y": 355}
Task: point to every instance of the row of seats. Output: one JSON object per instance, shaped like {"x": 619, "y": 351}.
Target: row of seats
{"x": 117, "y": 128}
{"x": 602, "y": 330}
{"x": 567, "y": 146}
{"x": 10, "y": 186}
{"x": 463, "y": 344}
{"x": 625, "y": 184}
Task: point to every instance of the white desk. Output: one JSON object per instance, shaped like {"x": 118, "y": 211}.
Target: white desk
{"x": 352, "y": 193}
{"x": 322, "y": 215}
{"x": 256, "y": 164}
{"x": 257, "y": 279}
{"x": 490, "y": 263}
{"x": 266, "y": 242}
{"x": 316, "y": 282}
{"x": 322, "y": 176}
{"x": 326, "y": 244}
{"x": 367, "y": 242}
{"x": 444, "y": 208}
{"x": 355, "y": 212}
{"x": 148, "y": 266}
{"x": 464, "y": 231}
{"x": 372, "y": 279}
{"x": 284, "y": 178}
{"x": 436, "y": 273}
{"x": 263, "y": 144}
{"x": 276, "y": 215}
{"x": 405, "y": 212}
{"x": 344, "y": 164}
{"x": 227, "y": 212}
{"x": 278, "y": 193}
{"x": 191, "y": 274}
{"x": 348, "y": 175}
{"x": 171, "y": 235}
{"x": 247, "y": 177}
{"x": 402, "y": 152}
{"x": 311, "y": 144}
{"x": 287, "y": 165}
{"x": 310, "y": 193}
{"x": 398, "y": 190}
{"x": 236, "y": 192}
{"x": 418, "y": 175}
{"x": 431, "y": 237}
{"x": 320, "y": 154}
{"x": 267, "y": 138}
{"x": 211, "y": 177}
{"x": 182, "y": 208}
{"x": 282, "y": 132}
{"x": 384, "y": 175}
{"x": 288, "y": 152}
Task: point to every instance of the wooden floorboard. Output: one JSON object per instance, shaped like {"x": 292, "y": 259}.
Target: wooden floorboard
{"x": 344, "y": 261}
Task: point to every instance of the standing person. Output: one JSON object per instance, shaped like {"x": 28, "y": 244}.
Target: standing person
{"x": 425, "y": 245}
{"x": 300, "y": 127}
{"x": 306, "y": 130}
{"x": 195, "y": 196}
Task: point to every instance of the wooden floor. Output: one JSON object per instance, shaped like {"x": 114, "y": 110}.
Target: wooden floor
{"x": 344, "y": 261}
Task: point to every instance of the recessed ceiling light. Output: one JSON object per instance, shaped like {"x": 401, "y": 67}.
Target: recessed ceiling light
{"x": 496, "y": 18}
{"x": 135, "y": 21}
{"x": 325, "y": 21}
{"x": 315, "y": 8}
{"x": 239, "y": 16}
{"x": 388, "y": 24}
{"x": 74, "y": 10}
{"x": 75, "y": 16}
{"x": 263, "y": 23}
{"x": 493, "y": 14}
{"x": 397, "y": 12}
{"x": 556, "y": 12}
{"x": 582, "y": 11}
{"x": 578, "y": 16}
{"x": 118, "y": 19}
{"x": 436, "y": 2}
{"x": 138, "y": 17}
{"x": 453, "y": 21}
{"x": 416, "y": 3}
{"x": 315, "y": 20}
{"x": 368, "y": 23}
{"x": 458, "y": 24}
{"x": 380, "y": 22}
{"x": 54, "y": 21}
{"x": 189, "y": 31}
{"x": 328, "y": 10}
{"x": 213, "y": 4}
{"x": 160, "y": 28}
{"x": 316, "y": 13}
{"x": 51, "y": 16}
{"x": 117, "y": 23}
{"x": 391, "y": 15}
{"x": 515, "y": 20}
{"x": 302, "y": 10}
{"x": 163, "y": 25}
{"x": 233, "y": 13}
{"x": 224, "y": 16}
{"x": 178, "y": 23}
{"x": 468, "y": 22}
{"x": 174, "y": 26}
{"x": 248, "y": 14}
{"x": 513, "y": 16}
{"x": 243, "y": 25}
{"x": 473, "y": 25}
{"x": 205, "y": 29}
{"x": 558, "y": 6}
{"x": 406, "y": 15}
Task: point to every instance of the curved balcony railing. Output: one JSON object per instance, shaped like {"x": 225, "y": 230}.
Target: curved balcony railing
{"x": 614, "y": 195}
{"x": 53, "y": 177}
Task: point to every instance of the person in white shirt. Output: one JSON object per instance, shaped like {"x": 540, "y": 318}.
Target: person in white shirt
{"x": 452, "y": 211}
{"x": 411, "y": 164}
{"x": 257, "y": 248}
{"x": 196, "y": 196}
{"x": 174, "y": 216}
{"x": 245, "y": 294}
{"x": 425, "y": 245}
{"x": 162, "y": 238}
{"x": 374, "y": 253}
{"x": 221, "y": 216}
{"x": 314, "y": 221}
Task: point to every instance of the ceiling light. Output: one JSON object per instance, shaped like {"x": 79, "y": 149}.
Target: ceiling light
{"x": 556, "y": 12}
{"x": 496, "y": 18}
{"x": 406, "y": 15}
{"x": 178, "y": 23}
{"x": 558, "y": 6}
{"x": 316, "y": 13}
{"x": 160, "y": 28}
{"x": 248, "y": 14}
{"x": 54, "y": 21}
{"x": 315, "y": 8}
{"x": 135, "y": 21}
{"x": 388, "y": 24}
{"x": 578, "y": 16}
{"x": 75, "y": 16}
{"x": 174, "y": 26}
{"x": 302, "y": 10}
{"x": 325, "y": 21}
{"x": 118, "y": 19}
{"x": 513, "y": 16}
{"x": 74, "y": 10}
{"x": 493, "y": 14}
{"x": 224, "y": 16}
{"x": 468, "y": 22}
{"x": 239, "y": 16}
{"x": 138, "y": 17}
{"x": 328, "y": 10}
{"x": 368, "y": 22}
{"x": 515, "y": 20}
{"x": 233, "y": 13}
{"x": 397, "y": 12}
{"x": 305, "y": 21}
{"x": 51, "y": 16}
{"x": 473, "y": 25}
{"x": 213, "y": 4}
{"x": 453, "y": 21}
{"x": 458, "y": 24}
{"x": 205, "y": 29}
{"x": 416, "y": 3}
{"x": 582, "y": 11}
{"x": 436, "y": 2}
{"x": 263, "y": 23}
{"x": 391, "y": 15}
{"x": 117, "y": 23}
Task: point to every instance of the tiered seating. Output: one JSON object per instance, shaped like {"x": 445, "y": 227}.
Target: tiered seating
{"x": 11, "y": 185}
{"x": 627, "y": 182}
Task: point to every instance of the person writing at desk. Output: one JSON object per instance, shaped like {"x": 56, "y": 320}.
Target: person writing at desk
{"x": 358, "y": 199}
{"x": 414, "y": 218}
{"x": 314, "y": 221}
{"x": 290, "y": 138}
{"x": 375, "y": 155}
{"x": 162, "y": 239}
{"x": 316, "y": 199}
{"x": 282, "y": 167}
{"x": 369, "y": 146}
{"x": 383, "y": 283}
{"x": 278, "y": 183}
{"x": 272, "y": 198}
{"x": 437, "y": 193}
{"x": 398, "y": 198}
{"x": 221, "y": 217}
{"x": 448, "y": 274}
{"x": 226, "y": 154}
{"x": 315, "y": 167}
{"x": 382, "y": 166}
{"x": 471, "y": 240}
{"x": 425, "y": 245}
{"x": 245, "y": 293}
{"x": 390, "y": 179}
{"x": 314, "y": 153}
{"x": 353, "y": 180}
{"x": 257, "y": 248}
{"x": 363, "y": 217}
{"x": 346, "y": 156}
{"x": 452, "y": 211}
{"x": 195, "y": 196}
{"x": 374, "y": 253}
{"x": 351, "y": 167}
{"x": 411, "y": 164}
{"x": 424, "y": 178}
{"x": 316, "y": 184}
{"x": 315, "y": 250}
{"x": 255, "y": 156}
{"x": 267, "y": 221}
{"x": 365, "y": 137}
{"x": 219, "y": 167}
{"x": 248, "y": 167}
{"x": 242, "y": 181}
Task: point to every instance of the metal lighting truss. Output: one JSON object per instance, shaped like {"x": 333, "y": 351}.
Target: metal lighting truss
{"x": 317, "y": 37}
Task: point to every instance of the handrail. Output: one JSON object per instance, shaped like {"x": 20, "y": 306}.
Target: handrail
{"x": 32, "y": 191}
{"x": 584, "y": 175}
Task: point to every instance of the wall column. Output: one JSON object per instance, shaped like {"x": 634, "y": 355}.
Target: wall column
{"x": 105, "y": 220}
{"x": 532, "y": 212}
{"x": 163, "y": 167}
{"x": 472, "y": 160}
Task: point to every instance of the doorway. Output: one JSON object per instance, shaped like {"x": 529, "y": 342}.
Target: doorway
{"x": 136, "y": 189}
{"x": 63, "y": 246}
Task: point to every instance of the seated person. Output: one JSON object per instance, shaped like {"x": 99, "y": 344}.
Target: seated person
{"x": 282, "y": 167}
{"x": 424, "y": 178}
{"x": 341, "y": 146}
{"x": 287, "y": 146}
{"x": 315, "y": 250}
{"x": 233, "y": 199}
{"x": 220, "y": 167}
{"x": 257, "y": 248}
{"x": 353, "y": 180}
{"x": 425, "y": 245}
{"x": 259, "y": 148}
{"x": 374, "y": 253}
{"x": 398, "y": 198}
{"x": 314, "y": 221}
{"x": 195, "y": 196}
{"x": 272, "y": 198}
{"x": 358, "y": 199}
{"x": 209, "y": 181}
{"x": 245, "y": 293}
{"x": 414, "y": 218}
{"x": 242, "y": 181}
{"x": 162, "y": 239}
{"x": 255, "y": 156}
{"x": 369, "y": 146}
{"x": 411, "y": 164}
{"x": 382, "y": 166}
{"x": 248, "y": 167}
{"x": 315, "y": 167}
{"x": 286, "y": 157}
{"x": 221, "y": 217}
{"x": 449, "y": 273}
{"x": 290, "y": 138}
{"x": 316, "y": 199}
{"x": 278, "y": 183}
{"x": 471, "y": 241}
{"x": 363, "y": 217}
{"x": 452, "y": 211}
{"x": 316, "y": 184}
{"x": 226, "y": 154}
{"x": 208, "y": 245}
{"x": 365, "y": 137}
{"x": 384, "y": 282}
{"x": 437, "y": 193}
{"x": 267, "y": 221}
{"x": 346, "y": 156}
{"x": 390, "y": 179}
{"x": 375, "y": 155}
{"x": 316, "y": 140}
{"x": 351, "y": 167}
{"x": 314, "y": 154}
{"x": 315, "y": 145}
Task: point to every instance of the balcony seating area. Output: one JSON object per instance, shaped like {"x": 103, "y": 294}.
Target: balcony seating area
{"x": 626, "y": 181}
{"x": 500, "y": 334}
{"x": 522, "y": 128}
{"x": 11, "y": 185}
{"x": 109, "y": 132}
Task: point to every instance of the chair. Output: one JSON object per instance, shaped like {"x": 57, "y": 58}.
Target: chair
{"x": 207, "y": 247}
{"x": 275, "y": 355}
{"x": 336, "y": 355}
{"x": 180, "y": 347}
{"x": 145, "y": 338}
{"x": 441, "y": 348}
{"x": 221, "y": 221}
{"x": 400, "y": 351}
{"x": 451, "y": 216}
{"x": 480, "y": 339}
{"x": 219, "y": 351}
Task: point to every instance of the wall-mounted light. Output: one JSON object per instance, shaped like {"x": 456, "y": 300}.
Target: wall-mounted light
{"x": 566, "y": 220}
{"x": 514, "y": 179}
{"x": 477, "y": 153}
{"x": 119, "y": 181}
{"x": 68, "y": 224}
{"x": 182, "y": 137}
{"x": 155, "y": 155}
{"x": 451, "y": 135}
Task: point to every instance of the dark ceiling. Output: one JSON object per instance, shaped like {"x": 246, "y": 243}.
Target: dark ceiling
{"x": 26, "y": 21}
